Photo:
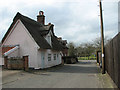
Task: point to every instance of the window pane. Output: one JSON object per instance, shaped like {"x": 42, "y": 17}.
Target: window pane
{"x": 49, "y": 57}
{"x": 54, "y": 56}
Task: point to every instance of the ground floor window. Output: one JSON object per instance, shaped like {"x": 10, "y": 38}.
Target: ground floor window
{"x": 49, "y": 57}
{"x": 57, "y": 55}
{"x": 54, "y": 56}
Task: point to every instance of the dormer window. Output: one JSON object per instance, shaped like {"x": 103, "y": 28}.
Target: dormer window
{"x": 48, "y": 38}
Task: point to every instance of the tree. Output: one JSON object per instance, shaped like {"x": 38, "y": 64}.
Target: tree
{"x": 85, "y": 49}
{"x": 71, "y": 50}
{"x": 80, "y": 50}
{"x": 97, "y": 42}
{"x": 88, "y": 49}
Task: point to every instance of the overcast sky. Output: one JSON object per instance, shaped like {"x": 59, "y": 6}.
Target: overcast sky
{"x": 77, "y": 21}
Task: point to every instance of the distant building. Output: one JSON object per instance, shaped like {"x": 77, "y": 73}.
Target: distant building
{"x": 64, "y": 43}
{"x": 27, "y": 37}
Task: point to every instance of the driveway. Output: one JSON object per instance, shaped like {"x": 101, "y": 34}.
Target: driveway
{"x": 84, "y": 74}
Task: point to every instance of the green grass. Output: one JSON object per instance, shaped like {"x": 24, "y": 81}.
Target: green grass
{"x": 86, "y": 58}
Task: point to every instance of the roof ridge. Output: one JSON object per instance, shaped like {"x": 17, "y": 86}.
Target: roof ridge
{"x": 25, "y": 18}
{"x": 37, "y": 31}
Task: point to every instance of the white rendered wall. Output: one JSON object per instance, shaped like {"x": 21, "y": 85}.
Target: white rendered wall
{"x": 46, "y": 62}
{"x": 15, "y": 53}
{"x": 28, "y": 46}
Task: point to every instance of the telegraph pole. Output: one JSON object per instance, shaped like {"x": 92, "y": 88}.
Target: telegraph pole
{"x": 102, "y": 38}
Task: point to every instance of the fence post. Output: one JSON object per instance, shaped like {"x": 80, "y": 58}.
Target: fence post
{"x": 25, "y": 63}
{"x": 5, "y": 61}
{"x": 97, "y": 56}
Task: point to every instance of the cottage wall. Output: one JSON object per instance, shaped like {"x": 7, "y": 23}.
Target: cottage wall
{"x": 53, "y": 62}
{"x": 20, "y": 35}
{"x": 44, "y": 54}
{"x": 15, "y": 53}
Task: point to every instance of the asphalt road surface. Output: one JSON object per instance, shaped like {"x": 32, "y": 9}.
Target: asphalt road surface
{"x": 84, "y": 74}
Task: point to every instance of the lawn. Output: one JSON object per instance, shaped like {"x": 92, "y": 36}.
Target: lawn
{"x": 86, "y": 58}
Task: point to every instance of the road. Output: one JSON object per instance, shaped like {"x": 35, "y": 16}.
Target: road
{"x": 85, "y": 74}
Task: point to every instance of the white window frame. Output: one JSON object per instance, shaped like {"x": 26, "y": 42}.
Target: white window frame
{"x": 49, "y": 39}
{"x": 57, "y": 55}
{"x": 54, "y": 57}
{"x": 49, "y": 57}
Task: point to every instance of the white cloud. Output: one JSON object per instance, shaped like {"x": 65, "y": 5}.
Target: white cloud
{"x": 74, "y": 20}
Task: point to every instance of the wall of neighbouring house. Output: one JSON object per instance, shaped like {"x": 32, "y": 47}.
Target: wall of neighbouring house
{"x": 5, "y": 49}
{"x": 44, "y": 63}
{"x": 28, "y": 46}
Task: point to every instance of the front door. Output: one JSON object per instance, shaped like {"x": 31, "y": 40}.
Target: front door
{"x": 42, "y": 59}
{"x": 57, "y": 58}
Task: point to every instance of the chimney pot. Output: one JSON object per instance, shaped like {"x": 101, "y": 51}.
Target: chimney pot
{"x": 49, "y": 23}
{"x": 59, "y": 38}
{"x": 41, "y": 13}
{"x": 41, "y": 17}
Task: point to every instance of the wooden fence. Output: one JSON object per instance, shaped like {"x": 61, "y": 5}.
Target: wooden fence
{"x": 17, "y": 63}
{"x": 112, "y": 59}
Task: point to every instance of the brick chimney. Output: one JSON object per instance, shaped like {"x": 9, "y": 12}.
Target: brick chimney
{"x": 41, "y": 17}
